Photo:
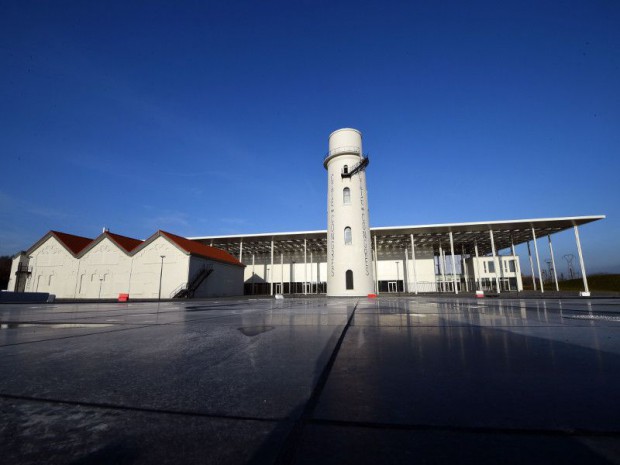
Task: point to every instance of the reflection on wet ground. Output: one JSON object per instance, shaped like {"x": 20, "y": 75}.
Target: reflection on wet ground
{"x": 10, "y": 325}
{"x": 387, "y": 380}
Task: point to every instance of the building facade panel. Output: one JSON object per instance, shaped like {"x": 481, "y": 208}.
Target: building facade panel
{"x": 149, "y": 268}
{"x": 54, "y": 269}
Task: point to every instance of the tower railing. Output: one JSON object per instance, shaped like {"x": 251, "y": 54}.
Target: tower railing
{"x": 343, "y": 149}
{"x": 357, "y": 168}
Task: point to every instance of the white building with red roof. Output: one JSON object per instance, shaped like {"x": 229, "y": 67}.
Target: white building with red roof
{"x": 163, "y": 266}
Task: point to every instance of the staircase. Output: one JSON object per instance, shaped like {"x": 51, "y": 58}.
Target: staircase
{"x": 357, "y": 168}
{"x": 187, "y": 290}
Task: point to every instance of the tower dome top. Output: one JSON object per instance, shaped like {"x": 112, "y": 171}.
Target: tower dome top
{"x": 345, "y": 129}
{"x": 344, "y": 141}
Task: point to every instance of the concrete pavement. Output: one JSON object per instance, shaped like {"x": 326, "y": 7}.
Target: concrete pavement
{"x": 391, "y": 380}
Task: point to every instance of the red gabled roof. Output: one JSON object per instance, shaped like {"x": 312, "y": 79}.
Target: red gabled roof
{"x": 197, "y": 248}
{"x": 74, "y": 243}
{"x": 127, "y": 243}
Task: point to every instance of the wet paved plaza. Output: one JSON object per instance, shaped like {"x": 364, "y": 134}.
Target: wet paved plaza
{"x": 306, "y": 381}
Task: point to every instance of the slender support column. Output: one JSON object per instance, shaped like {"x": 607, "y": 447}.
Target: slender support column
{"x": 241, "y": 250}
{"x": 464, "y": 268}
{"x": 540, "y": 281}
{"x": 555, "y": 272}
{"x": 305, "y": 268}
{"x": 376, "y": 267}
{"x": 77, "y": 279}
{"x": 406, "y": 271}
{"x": 271, "y": 274}
{"x": 581, "y": 264}
{"x": 515, "y": 261}
{"x": 311, "y": 273}
{"x": 445, "y": 270}
{"x": 415, "y": 278}
{"x": 442, "y": 268}
{"x": 435, "y": 271}
{"x": 318, "y": 272}
{"x": 529, "y": 253}
{"x": 495, "y": 261}
{"x": 253, "y": 274}
{"x": 476, "y": 269}
{"x": 281, "y": 272}
{"x": 456, "y": 289}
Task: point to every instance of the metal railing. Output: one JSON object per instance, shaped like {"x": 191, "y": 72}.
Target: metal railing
{"x": 180, "y": 288}
{"x": 344, "y": 149}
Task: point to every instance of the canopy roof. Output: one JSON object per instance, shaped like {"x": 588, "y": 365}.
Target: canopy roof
{"x": 397, "y": 238}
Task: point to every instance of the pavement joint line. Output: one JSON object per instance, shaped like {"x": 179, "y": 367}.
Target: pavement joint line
{"x": 137, "y": 324}
{"x": 291, "y": 444}
{"x": 473, "y": 326}
{"x": 61, "y": 322}
{"x": 463, "y": 429}
{"x": 117, "y": 330}
{"x": 131, "y": 326}
{"x": 134, "y": 326}
{"x": 129, "y": 408}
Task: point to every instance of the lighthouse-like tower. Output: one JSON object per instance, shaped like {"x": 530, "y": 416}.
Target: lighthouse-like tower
{"x": 349, "y": 250}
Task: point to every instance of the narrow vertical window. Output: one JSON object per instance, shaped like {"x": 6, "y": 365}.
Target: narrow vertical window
{"x": 347, "y": 236}
{"x": 346, "y": 196}
{"x": 345, "y": 169}
{"x": 349, "y": 279}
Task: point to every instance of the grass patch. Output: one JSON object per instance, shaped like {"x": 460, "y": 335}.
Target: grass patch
{"x": 597, "y": 282}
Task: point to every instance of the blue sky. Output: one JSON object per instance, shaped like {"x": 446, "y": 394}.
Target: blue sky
{"x": 208, "y": 118}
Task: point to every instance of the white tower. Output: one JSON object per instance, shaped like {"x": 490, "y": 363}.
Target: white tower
{"x": 349, "y": 250}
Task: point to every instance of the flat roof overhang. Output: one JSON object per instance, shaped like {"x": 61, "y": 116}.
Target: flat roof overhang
{"x": 397, "y": 238}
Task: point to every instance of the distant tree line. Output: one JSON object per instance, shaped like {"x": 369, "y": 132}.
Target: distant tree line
{"x": 5, "y": 271}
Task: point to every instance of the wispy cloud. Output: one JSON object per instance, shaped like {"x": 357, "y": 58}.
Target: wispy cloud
{"x": 233, "y": 220}
{"x": 169, "y": 220}
{"x": 94, "y": 163}
{"x": 11, "y": 205}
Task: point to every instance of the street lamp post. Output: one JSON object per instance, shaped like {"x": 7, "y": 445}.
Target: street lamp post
{"x": 397, "y": 276}
{"x": 100, "y": 284}
{"x": 161, "y": 272}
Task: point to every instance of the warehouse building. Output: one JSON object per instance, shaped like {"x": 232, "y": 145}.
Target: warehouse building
{"x": 163, "y": 266}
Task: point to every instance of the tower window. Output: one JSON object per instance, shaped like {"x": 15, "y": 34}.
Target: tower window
{"x": 345, "y": 169}
{"x": 347, "y": 236}
{"x": 349, "y": 279}
{"x": 346, "y": 196}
